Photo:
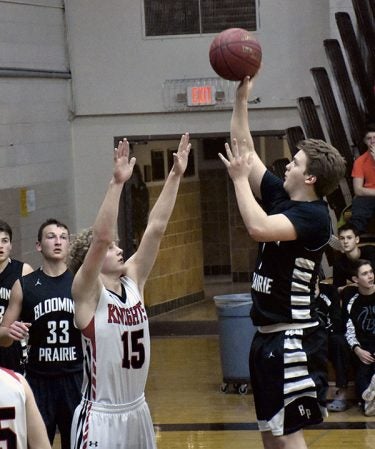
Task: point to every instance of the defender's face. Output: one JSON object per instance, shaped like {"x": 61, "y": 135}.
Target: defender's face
{"x": 348, "y": 240}
{"x": 114, "y": 260}
{"x": 295, "y": 174}
{"x": 5, "y": 247}
{"x": 54, "y": 244}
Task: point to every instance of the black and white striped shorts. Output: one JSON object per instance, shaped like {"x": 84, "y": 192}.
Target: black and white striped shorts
{"x": 288, "y": 371}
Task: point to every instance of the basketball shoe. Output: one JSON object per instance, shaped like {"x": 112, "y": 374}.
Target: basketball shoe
{"x": 369, "y": 397}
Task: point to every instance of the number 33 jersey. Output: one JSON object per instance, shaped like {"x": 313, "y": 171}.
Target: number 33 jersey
{"x": 54, "y": 342}
{"x": 116, "y": 346}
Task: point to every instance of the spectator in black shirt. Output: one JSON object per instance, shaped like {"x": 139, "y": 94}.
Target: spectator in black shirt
{"x": 351, "y": 251}
{"x": 360, "y": 332}
{"x": 331, "y": 315}
{"x": 339, "y": 351}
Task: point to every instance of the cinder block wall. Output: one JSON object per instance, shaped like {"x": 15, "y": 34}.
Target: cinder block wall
{"x": 215, "y": 221}
{"x": 51, "y": 201}
{"x": 177, "y": 276}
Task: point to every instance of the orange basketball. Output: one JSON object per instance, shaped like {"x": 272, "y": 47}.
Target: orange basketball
{"x": 235, "y": 53}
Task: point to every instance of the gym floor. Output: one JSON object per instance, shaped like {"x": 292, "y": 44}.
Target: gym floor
{"x": 188, "y": 408}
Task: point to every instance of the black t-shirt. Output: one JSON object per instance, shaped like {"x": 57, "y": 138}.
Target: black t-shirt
{"x": 361, "y": 313}
{"x": 285, "y": 274}
{"x": 8, "y": 277}
{"x": 343, "y": 266}
{"x": 55, "y": 343}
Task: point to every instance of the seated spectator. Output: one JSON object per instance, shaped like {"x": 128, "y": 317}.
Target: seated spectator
{"x": 360, "y": 332}
{"x": 339, "y": 351}
{"x": 330, "y": 313}
{"x": 343, "y": 265}
{"x": 363, "y": 173}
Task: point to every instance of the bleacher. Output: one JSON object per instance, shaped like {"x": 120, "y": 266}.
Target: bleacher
{"x": 347, "y": 98}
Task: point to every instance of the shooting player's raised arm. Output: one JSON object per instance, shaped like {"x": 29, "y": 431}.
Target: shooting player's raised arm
{"x": 239, "y": 130}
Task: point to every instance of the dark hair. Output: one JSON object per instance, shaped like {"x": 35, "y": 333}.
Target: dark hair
{"x": 362, "y": 146}
{"x": 357, "y": 264}
{"x": 4, "y": 227}
{"x": 325, "y": 163}
{"x": 348, "y": 227}
{"x": 370, "y": 128}
{"x": 50, "y": 221}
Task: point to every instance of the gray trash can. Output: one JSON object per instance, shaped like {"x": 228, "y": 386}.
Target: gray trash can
{"x": 236, "y": 332}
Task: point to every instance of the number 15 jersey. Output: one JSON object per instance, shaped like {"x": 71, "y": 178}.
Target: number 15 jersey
{"x": 116, "y": 346}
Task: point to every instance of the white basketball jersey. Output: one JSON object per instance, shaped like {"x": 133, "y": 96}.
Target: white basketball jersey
{"x": 116, "y": 347}
{"x": 12, "y": 411}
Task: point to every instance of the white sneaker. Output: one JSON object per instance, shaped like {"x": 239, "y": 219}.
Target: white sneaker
{"x": 370, "y": 408}
{"x": 369, "y": 394}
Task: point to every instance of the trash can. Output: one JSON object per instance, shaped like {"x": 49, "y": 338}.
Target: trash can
{"x": 236, "y": 332}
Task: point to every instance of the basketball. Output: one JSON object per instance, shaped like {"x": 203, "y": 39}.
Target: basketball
{"x": 235, "y": 53}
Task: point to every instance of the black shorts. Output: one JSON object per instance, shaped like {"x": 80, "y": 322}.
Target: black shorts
{"x": 288, "y": 371}
{"x": 12, "y": 357}
{"x": 57, "y": 399}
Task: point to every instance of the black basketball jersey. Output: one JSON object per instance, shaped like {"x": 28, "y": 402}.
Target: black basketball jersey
{"x": 8, "y": 277}
{"x": 54, "y": 342}
{"x": 284, "y": 278}
{"x": 10, "y": 357}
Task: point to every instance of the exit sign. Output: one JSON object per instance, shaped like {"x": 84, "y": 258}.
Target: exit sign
{"x": 201, "y": 95}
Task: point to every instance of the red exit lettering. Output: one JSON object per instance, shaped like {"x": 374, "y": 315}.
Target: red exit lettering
{"x": 200, "y": 96}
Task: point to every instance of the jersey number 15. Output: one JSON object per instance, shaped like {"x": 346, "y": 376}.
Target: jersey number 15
{"x": 134, "y": 350}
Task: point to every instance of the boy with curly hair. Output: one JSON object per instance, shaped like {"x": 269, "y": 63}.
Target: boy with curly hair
{"x": 110, "y": 311}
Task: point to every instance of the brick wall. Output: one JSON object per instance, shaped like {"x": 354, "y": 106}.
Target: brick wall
{"x": 177, "y": 276}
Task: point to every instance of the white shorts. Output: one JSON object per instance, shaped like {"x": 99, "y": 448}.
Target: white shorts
{"x": 123, "y": 426}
